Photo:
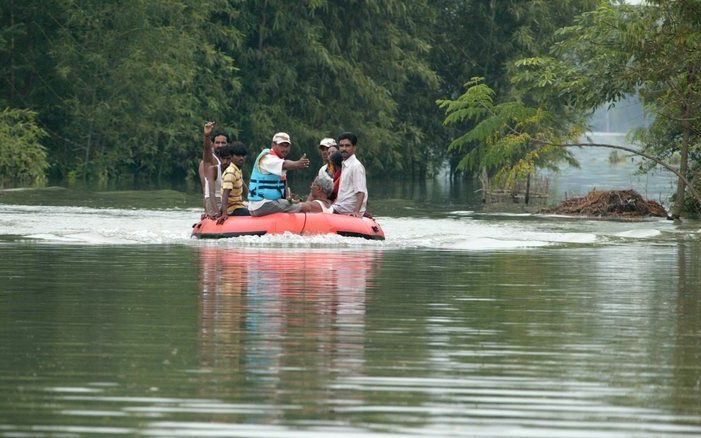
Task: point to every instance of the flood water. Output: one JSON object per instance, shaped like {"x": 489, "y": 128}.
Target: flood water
{"x": 114, "y": 322}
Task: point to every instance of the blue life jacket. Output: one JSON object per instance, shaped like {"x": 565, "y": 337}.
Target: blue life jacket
{"x": 265, "y": 185}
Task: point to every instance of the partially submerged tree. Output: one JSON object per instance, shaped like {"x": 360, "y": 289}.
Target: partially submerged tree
{"x": 653, "y": 49}
{"x": 22, "y": 155}
{"x": 477, "y": 38}
{"x": 504, "y": 139}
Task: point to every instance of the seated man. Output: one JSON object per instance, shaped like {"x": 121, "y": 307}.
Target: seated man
{"x": 331, "y": 169}
{"x": 318, "y": 201}
{"x": 352, "y": 191}
{"x": 268, "y": 186}
{"x": 326, "y": 146}
{"x": 233, "y": 187}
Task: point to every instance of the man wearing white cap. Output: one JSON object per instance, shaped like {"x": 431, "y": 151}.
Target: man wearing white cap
{"x": 268, "y": 193}
{"x": 324, "y": 145}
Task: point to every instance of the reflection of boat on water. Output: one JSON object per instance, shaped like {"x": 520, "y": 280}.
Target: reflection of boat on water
{"x": 260, "y": 309}
{"x": 295, "y": 223}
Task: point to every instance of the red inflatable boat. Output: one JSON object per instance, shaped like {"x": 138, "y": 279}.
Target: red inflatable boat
{"x": 297, "y": 223}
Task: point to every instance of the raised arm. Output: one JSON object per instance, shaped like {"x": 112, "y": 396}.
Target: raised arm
{"x": 207, "y": 152}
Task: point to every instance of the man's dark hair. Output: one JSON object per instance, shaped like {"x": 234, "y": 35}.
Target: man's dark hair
{"x": 235, "y": 148}
{"x": 216, "y": 134}
{"x": 348, "y": 136}
{"x": 239, "y": 148}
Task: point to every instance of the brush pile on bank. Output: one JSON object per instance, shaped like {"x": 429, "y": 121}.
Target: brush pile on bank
{"x": 611, "y": 203}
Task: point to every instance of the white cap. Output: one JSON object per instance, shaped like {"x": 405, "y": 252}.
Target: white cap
{"x": 281, "y": 137}
{"x": 327, "y": 142}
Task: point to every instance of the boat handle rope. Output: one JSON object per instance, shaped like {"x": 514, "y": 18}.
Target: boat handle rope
{"x": 304, "y": 224}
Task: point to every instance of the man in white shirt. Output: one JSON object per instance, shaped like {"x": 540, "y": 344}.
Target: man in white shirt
{"x": 268, "y": 192}
{"x": 352, "y": 193}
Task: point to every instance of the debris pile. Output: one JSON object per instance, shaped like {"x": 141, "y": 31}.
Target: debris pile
{"x": 610, "y": 203}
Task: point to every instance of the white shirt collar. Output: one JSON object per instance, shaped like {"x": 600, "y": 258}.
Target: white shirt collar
{"x": 348, "y": 161}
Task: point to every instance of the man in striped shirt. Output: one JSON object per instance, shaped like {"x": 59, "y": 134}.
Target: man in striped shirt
{"x": 233, "y": 187}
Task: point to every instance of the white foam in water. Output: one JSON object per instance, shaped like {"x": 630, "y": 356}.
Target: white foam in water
{"x": 289, "y": 240}
{"x": 484, "y": 244}
{"x": 466, "y": 232}
{"x": 96, "y": 226}
{"x": 639, "y": 234}
{"x": 561, "y": 237}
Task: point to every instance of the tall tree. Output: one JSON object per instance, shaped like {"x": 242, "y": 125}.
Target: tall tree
{"x": 315, "y": 68}
{"x": 653, "y": 49}
{"x": 123, "y": 87}
{"x": 26, "y": 30}
{"x": 478, "y": 38}
{"x": 132, "y": 87}
{"x": 607, "y": 53}
{"x": 120, "y": 87}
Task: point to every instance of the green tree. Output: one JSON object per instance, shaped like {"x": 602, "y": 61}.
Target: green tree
{"x": 26, "y": 29}
{"x": 505, "y": 138}
{"x": 122, "y": 88}
{"x": 317, "y": 68}
{"x": 619, "y": 49}
{"x": 478, "y": 38}
{"x": 605, "y": 55}
{"x": 137, "y": 81}
{"x": 22, "y": 155}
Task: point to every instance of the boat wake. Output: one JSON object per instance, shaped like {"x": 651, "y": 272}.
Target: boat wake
{"x": 466, "y": 231}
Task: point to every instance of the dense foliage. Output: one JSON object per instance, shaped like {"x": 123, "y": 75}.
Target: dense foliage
{"x": 22, "y": 157}
{"x": 653, "y": 49}
{"x": 122, "y": 88}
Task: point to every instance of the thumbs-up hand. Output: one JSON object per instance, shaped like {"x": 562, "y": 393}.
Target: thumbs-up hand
{"x": 303, "y": 161}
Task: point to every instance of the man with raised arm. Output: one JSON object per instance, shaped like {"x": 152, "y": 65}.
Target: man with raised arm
{"x": 352, "y": 192}
{"x": 211, "y": 187}
{"x": 268, "y": 192}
